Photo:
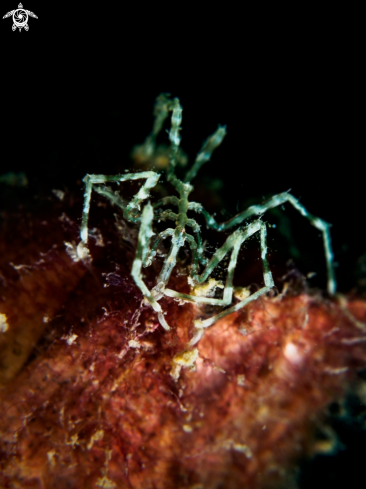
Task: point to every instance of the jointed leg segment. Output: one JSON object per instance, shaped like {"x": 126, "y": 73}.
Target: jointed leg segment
{"x": 260, "y": 209}
{"x": 131, "y": 210}
{"x": 233, "y": 244}
{"x": 145, "y": 234}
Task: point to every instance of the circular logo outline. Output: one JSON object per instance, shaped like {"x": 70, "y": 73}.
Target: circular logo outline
{"x": 20, "y": 14}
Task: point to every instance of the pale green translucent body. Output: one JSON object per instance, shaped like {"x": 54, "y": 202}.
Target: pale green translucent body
{"x": 179, "y": 235}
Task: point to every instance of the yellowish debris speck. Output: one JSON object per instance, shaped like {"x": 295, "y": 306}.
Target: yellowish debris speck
{"x": 241, "y": 293}
{"x": 105, "y": 483}
{"x": 186, "y": 358}
{"x": 51, "y": 457}
{"x": 98, "y": 435}
{"x": 4, "y": 326}
{"x": 238, "y": 447}
{"x": 207, "y": 289}
{"x": 69, "y": 338}
{"x": 240, "y": 380}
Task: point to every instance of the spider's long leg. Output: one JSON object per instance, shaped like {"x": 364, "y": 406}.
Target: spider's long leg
{"x": 169, "y": 264}
{"x": 112, "y": 196}
{"x": 260, "y": 209}
{"x": 323, "y": 226}
{"x": 197, "y": 230}
{"x": 204, "y": 155}
{"x": 175, "y": 139}
{"x": 131, "y": 210}
{"x": 268, "y": 284}
{"x": 145, "y": 234}
{"x": 233, "y": 244}
{"x": 193, "y": 245}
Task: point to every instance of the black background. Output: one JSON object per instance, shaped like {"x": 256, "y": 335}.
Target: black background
{"x": 78, "y": 90}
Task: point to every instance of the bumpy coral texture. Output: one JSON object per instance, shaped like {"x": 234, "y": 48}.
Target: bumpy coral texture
{"x": 96, "y": 404}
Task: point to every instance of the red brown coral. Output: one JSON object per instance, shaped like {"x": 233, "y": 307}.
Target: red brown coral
{"x": 98, "y": 405}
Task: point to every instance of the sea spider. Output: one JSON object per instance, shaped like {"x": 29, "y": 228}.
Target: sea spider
{"x": 201, "y": 267}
